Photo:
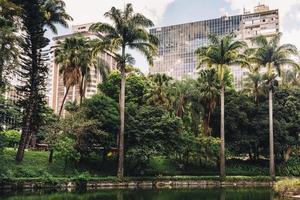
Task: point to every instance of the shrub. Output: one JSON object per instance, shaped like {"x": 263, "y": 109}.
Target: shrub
{"x": 64, "y": 149}
{"x": 81, "y": 180}
{"x": 287, "y": 187}
{"x": 291, "y": 167}
{"x": 12, "y": 137}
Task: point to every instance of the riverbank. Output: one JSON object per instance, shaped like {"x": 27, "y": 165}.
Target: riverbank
{"x": 135, "y": 182}
{"x": 289, "y": 187}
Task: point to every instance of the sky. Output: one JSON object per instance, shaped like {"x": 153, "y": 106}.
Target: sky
{"x": 170, "y": 12}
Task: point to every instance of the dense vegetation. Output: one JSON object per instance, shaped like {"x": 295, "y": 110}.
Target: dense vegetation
{"x": 152, "y": 125}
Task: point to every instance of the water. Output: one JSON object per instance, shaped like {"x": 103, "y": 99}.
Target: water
{"x": 166, "y": 194}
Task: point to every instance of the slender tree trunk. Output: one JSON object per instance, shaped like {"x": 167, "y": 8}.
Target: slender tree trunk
{"x": 50, "y": 159}
{"x": 206, "y": 125}
{"x": 120, "y": 172}
{"x": 63, "y": 102}
{"x": 271, "y": 136}
{"x": 222, "y": 149}
{"x": 81, "y": 89}
{"x": 25, "y": 135}
{"x": 2, "y": 85}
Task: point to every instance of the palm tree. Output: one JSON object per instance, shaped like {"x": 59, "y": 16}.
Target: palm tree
{"x": 75, "y": 56}
{"x": 273, "y": 56}
{"x": 158, "y": 94}
{"x": 67, "y": 55}
{"x": 220, "y": 53}
{"x": 208, "y": 87}
{"x": 254, "y": 81}
{"x": 127, "y": 31}
{"x": 292, "y": 78}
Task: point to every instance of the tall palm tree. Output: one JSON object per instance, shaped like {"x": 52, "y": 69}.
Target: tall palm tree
{"x": 128, "y": 30}
{"x": 271, "y": 55}
{"x": 67, "y": 56}
{"x": 220, "y": 53}
{"x": 76, "y": 57}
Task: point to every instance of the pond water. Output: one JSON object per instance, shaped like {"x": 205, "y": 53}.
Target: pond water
{"x": 165, "y": 194}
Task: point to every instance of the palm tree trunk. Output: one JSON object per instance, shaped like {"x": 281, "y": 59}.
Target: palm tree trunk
{"x": 206, "y": 124}
{"x": 120, "y": 173}
{"x": 63, "y": 101}
{"x": 271, "y": 136}
{"x": 222, "y": 149}
{"x": 81, "y": 89}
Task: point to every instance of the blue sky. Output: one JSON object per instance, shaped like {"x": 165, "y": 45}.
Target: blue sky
{"x": 169, "y": 12}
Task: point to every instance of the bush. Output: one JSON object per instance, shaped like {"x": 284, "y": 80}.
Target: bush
{"x": 287, "y": 187}
{"x": 81, "y": 180}
{"x": 291, "y": 167}
{"x": 64, "y": 149}
{"x": 12, "y": 137}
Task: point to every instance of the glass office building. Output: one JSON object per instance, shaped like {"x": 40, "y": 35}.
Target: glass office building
{"x": 176, "y": 54}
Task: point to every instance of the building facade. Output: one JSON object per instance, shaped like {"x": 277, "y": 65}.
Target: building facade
{"x": 55, "y": 86}
{"x": 176, "y": 53}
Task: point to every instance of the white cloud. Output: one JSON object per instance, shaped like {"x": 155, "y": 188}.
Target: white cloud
{"x": 288, "y": 12}
{"x": 93, "y": 10}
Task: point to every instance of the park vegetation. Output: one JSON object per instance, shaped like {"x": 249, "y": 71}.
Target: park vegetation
{"x": 137, "y": 124}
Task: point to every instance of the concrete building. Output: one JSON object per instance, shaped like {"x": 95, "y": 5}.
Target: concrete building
{"x": 176, "y": 54}
{"x": 55, "y": 86}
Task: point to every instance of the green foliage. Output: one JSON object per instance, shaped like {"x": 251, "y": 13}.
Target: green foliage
{"x": 291, "y": 167}
{"x": 248, "y": 123}
{"x": 288, "y": 186}
{"x": 12, "y": 137}
{"x": 194, "y": 150}
{"x": 64, "y": 149}
{"x": 136, "y": 86}
{"x": 150, "y": 132}
{"x": 2, "y": 143}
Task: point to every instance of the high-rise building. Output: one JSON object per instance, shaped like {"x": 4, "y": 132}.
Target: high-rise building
{"x": 176, "y": 53}
{"x": 55, "y": 86}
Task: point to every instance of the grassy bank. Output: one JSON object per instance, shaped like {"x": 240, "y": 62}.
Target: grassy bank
{"x": 288, "y": 187}
{"x": 35, "y": 164}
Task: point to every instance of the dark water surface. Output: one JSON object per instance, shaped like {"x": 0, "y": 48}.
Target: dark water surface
{"x": 165, "y": 194}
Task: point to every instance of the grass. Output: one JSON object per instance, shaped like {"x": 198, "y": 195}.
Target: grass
{"x": 35, "y": 166}
{"x": 288, "y": 187}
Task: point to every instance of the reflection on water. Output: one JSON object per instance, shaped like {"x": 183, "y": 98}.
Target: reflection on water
{"x": 170, "y": 194}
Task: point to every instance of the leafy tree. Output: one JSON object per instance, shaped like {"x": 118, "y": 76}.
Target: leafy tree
{"x": 221, "y": 53}
{"x": 272, "y": 56}
{"x": 64, "y": 148}
{"x": 104, "y": 110}
{"x": 129, "y": 30}
{"x": 136, "y": 87}
{"x": 150, "y": 132}
{"x": 35, "y": 16}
